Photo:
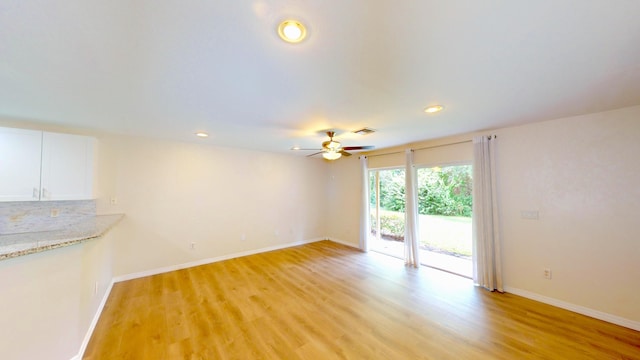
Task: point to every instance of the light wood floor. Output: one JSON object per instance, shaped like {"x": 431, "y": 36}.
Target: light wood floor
{"x": 328, "y": 301}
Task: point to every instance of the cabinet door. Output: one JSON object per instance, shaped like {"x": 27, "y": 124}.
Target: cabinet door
{"x": 20, "y": 152}
{"x": 67, "y": 167}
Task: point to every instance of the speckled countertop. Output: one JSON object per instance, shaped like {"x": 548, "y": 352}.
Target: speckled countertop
{"x": 14, "y": 245}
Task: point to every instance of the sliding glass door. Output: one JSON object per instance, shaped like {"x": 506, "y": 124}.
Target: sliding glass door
{"x": 387, "y": 204}
{"x": 445, "y": 205}
{"x": 444, "y": 220}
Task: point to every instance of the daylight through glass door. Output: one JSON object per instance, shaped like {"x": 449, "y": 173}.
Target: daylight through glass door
{"x": 445, "y": 205}
{"x": 386, "y": 209}
{"x": 444, "y": 208}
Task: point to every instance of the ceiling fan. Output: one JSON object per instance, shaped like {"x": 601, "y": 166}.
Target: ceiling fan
{"x": 333, "y": 150}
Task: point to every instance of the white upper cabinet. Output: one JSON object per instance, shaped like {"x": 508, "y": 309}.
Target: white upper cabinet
{"x": 20, "y": 152}
{"x": 67, "y": 167}
{"x": 36, "y": 165}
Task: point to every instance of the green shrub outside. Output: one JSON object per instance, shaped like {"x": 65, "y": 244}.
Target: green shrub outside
{"x": 444, "y": 234}
{"x": 391, "y": 225}
{"x": 446, "y": 191}
{"x": 441, "y": 192}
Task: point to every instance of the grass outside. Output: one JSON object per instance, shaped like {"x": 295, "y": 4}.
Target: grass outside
{"x": 450, "y": 235}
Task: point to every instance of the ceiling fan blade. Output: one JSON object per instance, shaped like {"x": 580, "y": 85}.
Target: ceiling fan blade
{"x": 332, "y": 148}
{"x": 358, "y": 147}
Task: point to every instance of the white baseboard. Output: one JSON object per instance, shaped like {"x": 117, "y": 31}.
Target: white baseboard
{"x": 635, "y": 325}
{"x": 210, "y": 260}
{"x": 343, "y": 242}
{"x": 94, "y": 322}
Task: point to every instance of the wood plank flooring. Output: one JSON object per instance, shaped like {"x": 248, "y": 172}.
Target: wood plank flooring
{"x": 328, "y": 301}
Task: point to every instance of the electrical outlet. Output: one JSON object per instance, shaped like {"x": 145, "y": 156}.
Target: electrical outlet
{"x": 192, "y": 246}
{"x": 547, "y": 273}
{"x": 243, "y": 237}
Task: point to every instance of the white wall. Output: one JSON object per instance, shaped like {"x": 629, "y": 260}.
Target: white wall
{"x": 47, "y": 300}
{"x": 175, "y": 193}
{"x": 343, "y": 197}
{"x": 583, "y": 176}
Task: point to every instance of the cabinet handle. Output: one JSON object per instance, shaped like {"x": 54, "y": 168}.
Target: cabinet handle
{"x": 36, "y": 193}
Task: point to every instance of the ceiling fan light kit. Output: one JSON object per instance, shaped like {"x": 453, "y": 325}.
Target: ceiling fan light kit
{"x": 331, "y": 155}
{"x": 331, "y": 145}
{"x": 332, "y": 149}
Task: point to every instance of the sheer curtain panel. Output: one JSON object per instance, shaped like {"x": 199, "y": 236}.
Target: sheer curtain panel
{"x": 487, "y": 267}
{"x": 364, "y": 205}
{"x": 411, "y": 241}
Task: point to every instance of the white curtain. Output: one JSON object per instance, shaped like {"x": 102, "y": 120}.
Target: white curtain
{"x": 411, "y": 249}
{"x": 364, "y": 205}
{"x": 487, "y": 267}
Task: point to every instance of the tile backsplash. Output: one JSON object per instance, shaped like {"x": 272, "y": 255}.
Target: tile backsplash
{"x": 34, "y": 216}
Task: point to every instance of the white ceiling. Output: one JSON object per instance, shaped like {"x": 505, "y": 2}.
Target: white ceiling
{"x": 168, "y": 68}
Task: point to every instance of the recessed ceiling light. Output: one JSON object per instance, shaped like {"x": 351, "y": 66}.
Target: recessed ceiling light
{"x": 202, "y": 134}
{"x": 292, "y": 31}
{"x": 433, "y": 109}
{"x": 295, "y": 148}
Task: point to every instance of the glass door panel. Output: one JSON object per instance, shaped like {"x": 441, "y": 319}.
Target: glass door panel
{"x": 444, "y": 207}
{"x": 387, "y": 204}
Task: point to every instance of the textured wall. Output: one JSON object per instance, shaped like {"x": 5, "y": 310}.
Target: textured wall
{"x": 581, "y": 174}
{"x": 221, "y": 199}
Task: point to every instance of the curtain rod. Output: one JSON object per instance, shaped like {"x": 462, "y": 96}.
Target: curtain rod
{"x": 424, "y": 148}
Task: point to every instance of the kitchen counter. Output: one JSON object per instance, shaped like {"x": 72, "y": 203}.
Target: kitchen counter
{"x": 14, "y": 245}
